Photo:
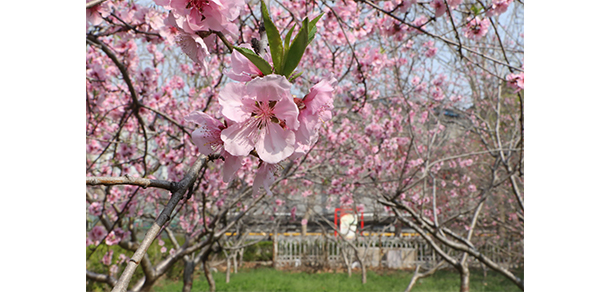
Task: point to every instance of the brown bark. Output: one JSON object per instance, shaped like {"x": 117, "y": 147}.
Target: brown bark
{"x": 208, "y": 276}
{"x": 464, "y": 279}
{"x": 189, "y": 268}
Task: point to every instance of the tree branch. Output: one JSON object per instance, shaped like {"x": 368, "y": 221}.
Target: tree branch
{"x": 177, "y": 195}
{"x": 110, "y": 280}
{"x": 127, "y": 180}
{"x": 94, "y": 3}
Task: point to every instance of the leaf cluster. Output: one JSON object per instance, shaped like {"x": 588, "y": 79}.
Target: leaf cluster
{"x": 285, "y": 54}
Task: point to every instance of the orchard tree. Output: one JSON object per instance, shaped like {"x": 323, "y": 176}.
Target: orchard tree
{"x": 139, "y": 129}
{"x": 415, "y": 107}
{"x": 428, "y": 123}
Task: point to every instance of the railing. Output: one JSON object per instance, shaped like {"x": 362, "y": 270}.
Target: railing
{"x": 380, "y": 251}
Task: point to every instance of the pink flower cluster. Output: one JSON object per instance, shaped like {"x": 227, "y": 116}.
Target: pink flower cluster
{"x": 262, "y": 118}
{"x": 498, "y": 7}
{"x": 515, "y": 81}
{"x": 188, "y": 17}
{"x": 476, "y": 28}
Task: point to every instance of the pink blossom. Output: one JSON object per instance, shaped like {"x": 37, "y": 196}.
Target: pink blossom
{"x": 304, "y": 222}
{"x": 97, "y": 234}
{"x": 107, "y": 258}
{"x": 346, "y": 200}
{"x": 242, "y": 69}
{"x": 194, "y": 47}
{"x": 315, "y": 109}
{"x": 476, "y": 28}
{"x": 163, "y": 249}
{"x": 472, "y": 188}
{"x": 293, "y": 212}
{"x": 515, "y": 81}
{"x": 360, "y": 208}
{"x": 454, "y": 3}
{"x": 96, "y": 13}
{"x": 113, "y": 270}
{"x": 190, "y": 43}
{"x": 416, "y": 162}
{"x": 207, "y": 137}
{"x": 264, "y": 178}
{"x": 465, "y": 163}
{"x": 431, "y": 51}
{"x": 306, "y": 193}
{"x": 439, "y": 7}
{"x": 203, "y": 15}
{"x": 424, "y": 117}
{"x": 374, "y": 130}
{"x": 404, "y": 5}
{"x": 122, "y": 258}
{"x": 437, "y": 94}
{"x": 265, "y": 117}
{"x": 112, "y": 238}
{"x": 418, "y": 22}
{"x": 498, "y": 7}
{"x": 220, "y": 202}
{"x": 95, "y": 209}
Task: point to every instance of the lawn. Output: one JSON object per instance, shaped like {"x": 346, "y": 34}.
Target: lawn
{"x": 267, "y": 280}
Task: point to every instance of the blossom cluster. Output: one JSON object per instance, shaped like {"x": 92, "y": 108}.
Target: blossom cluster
{"x": 189, "y": 22}
{"x": 260, "y": 117}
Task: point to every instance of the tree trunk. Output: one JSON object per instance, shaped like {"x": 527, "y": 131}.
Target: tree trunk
{"x": 228, "y": 272}
{"x": 464, "y": 279}
{"x": 363, "y": 267}
{"x": 234, "y": 257}
{"x": 241, "y": 259}
{"x": 189, "y": 267}
{"x": 347, "y": 262}
{"x": 208, "y": 276}
{"x": 416, "y": 276}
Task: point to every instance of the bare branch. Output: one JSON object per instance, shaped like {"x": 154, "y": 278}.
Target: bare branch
{"x": 135, "y": 181}
{"x": 447, "y": 41}
{"x": 110, "y": 280}
{"x": 94, "y": 3}
{"x": 177, "y": 195}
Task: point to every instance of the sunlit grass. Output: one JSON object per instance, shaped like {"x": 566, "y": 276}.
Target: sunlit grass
{"x": 267, "y": 280}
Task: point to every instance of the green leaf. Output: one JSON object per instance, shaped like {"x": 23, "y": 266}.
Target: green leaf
{"x": 259, "y": 62}
{"x": 312, "y": 28}
{"x": 288, "y": 36}
{"x": 295, "y": 76}
{"x": 476, "y": 10}
{"x": 296, "y": 50}
{"x": 275, "y": 41}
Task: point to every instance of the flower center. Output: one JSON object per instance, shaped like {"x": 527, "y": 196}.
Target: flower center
{"x": 263, "y": 113}
{"x": 198, "y": 5}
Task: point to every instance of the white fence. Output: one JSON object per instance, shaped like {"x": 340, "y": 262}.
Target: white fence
{"x": 388, "y": 252}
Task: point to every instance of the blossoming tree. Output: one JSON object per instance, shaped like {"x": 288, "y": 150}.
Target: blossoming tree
{"x": 405, "y": 107}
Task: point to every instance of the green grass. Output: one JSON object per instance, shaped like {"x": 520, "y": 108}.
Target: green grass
{"x": 267, "y": 280}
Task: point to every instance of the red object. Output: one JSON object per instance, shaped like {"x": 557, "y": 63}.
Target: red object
{"x": 342, "y": 211}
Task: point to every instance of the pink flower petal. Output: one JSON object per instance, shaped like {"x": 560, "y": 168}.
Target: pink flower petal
{"x": 232, "y": 164}
{"x": 238, "y": 138}
{"x": 271, "y": 87}
{"x": 207, "y": 136}
{"x": 275, "y": 143}
{"x": 231, "y": 99}
{"x": 264, "y": 177}
{"x": 287, "y": 110}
